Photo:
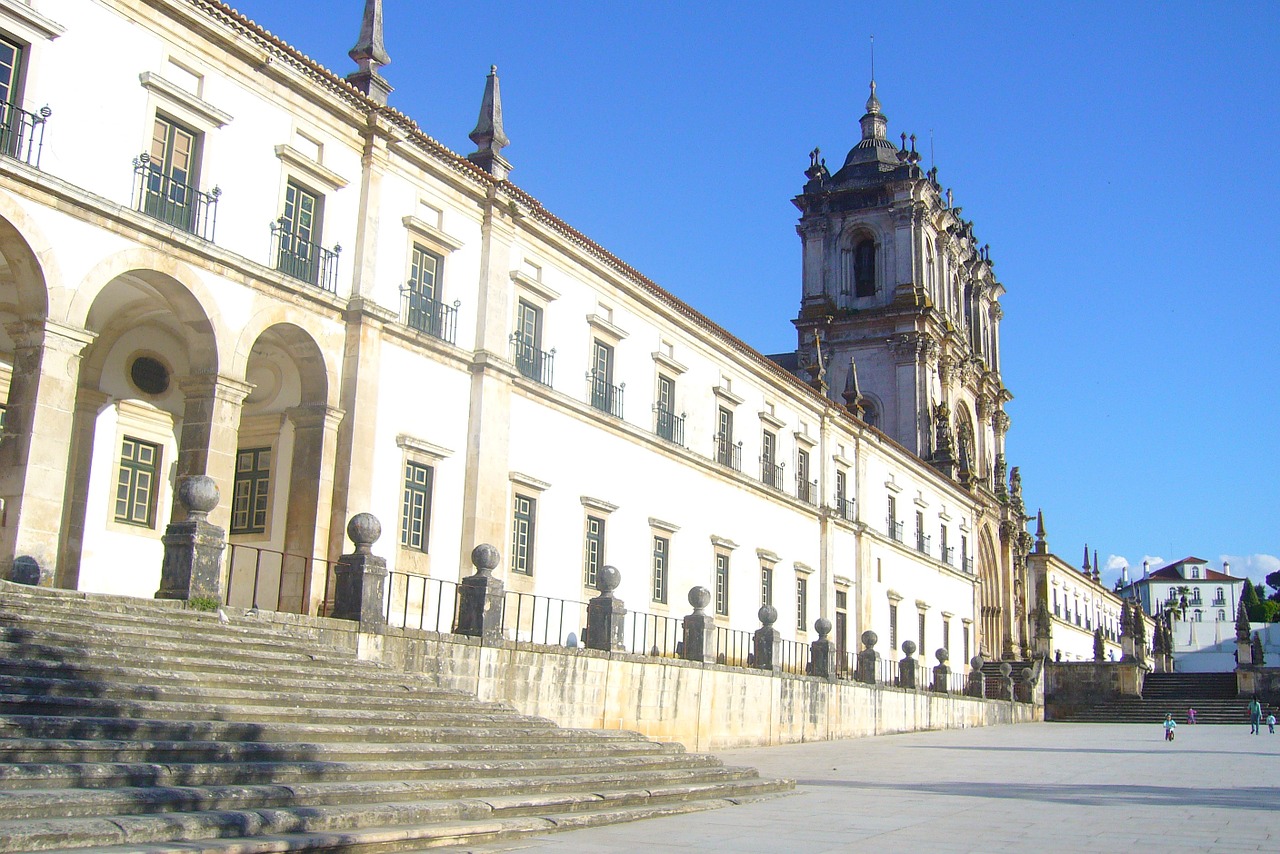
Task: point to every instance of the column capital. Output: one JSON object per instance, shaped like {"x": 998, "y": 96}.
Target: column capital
{"x": 215, "y": 385}
{"x": 315, "y": 415}
{"x": 50, "y": 333}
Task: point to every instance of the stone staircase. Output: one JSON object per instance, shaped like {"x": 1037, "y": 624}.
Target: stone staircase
{"x": 140, "y": 726}
{"x": 1212, "y": 695}
{"x": 991, "y": 674}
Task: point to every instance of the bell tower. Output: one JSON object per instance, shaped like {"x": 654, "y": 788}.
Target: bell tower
{"x": 903, "y": 303}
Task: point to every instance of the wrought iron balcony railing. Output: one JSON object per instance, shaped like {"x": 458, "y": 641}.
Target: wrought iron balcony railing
{"x": 604, "y": 395}
{"x": 22, "y": 133}
{"x": 923, "y": 543}
{"x": 531, "y": 362}
{"x": 770, "y": 473}
{"x": 894, "y": 528}
{"x": 807, "y": 491}
{"x": 430, "y": 316}
{"x": 668, "y": 425}
{"x": 949, "y": 555}
{"x": 845, "y": 507}
{"x": 172, "y": 202}
{"x": 728, "y": 454}
{"x": 968, "y": 565}
{"x": 303, "y": 260}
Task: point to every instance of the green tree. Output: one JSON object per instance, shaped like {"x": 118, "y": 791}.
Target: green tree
{"x": 1250, "y": 596}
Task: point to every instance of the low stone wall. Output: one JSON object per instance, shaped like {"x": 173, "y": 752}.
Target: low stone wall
{"x": 1262, "y": 681}
{"x": 1070, "y": 686}
{"x": 705, "y": 707}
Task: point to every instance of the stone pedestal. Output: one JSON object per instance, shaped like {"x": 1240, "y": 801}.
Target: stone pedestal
{"x": 481, "y": 597}
{"x": 606, "y": 615}
{"x": 977, "y": 683}
{"x": 868, "y": 659}
{"x": 699, "y": 629}
{"x": 1126, "y": 648}
{"x": 907, "y": 666}
{"x": 823, "y": 651}
{"x": 193, "y": 548}
{"x": 941, "y": 672}
{"x": 1244, "y": 653}
{"x": 360, "y": 586}
{"x": 767, "y": 641}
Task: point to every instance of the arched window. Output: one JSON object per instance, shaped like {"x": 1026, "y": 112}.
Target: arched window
{"x": 1222, "y": 616}
{"x": 1220, "y": 597}
{"x": 869, "y": 414}
{"x": 1199, "y": 615}
{"x": 864, "y": 268}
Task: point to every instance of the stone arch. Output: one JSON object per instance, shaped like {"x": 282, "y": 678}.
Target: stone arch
{"x": 282, "y": 492}
{"x": 992, "y": 595}
{"x": 302, "y": 338}
{"x": 860, "y": 244}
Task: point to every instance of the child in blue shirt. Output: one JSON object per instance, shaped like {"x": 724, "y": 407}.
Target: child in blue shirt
{"x": 1169, "y": 724}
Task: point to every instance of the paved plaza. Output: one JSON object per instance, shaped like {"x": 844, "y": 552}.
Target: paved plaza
{"x": 1032, "y": 787}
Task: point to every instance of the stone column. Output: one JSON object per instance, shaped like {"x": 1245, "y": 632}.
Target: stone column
{"x": 941, "y": 672}
{"x": 699, "y": 628}
{"x": 481, "y": 597}
{"x": 210, "y": 434}
{"x": 361, "y": 585}
{"x": 823, "y": 651}
{"x": 315, "y": 439}
{"x": 35, "y": 448}
{"x": 606, "y": 616}
{"x": 193, "y": 548}
{"x": 767, "y": 641}
{"x": 907, "y": 666}
{"x": 977, "y": 684}
{"x": 89, "y": 405}
{"x": 868, "y": 659}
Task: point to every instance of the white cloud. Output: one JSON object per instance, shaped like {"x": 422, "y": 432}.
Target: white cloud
{"x": 1256, "y": 566}
{"x": 1115, "y": 563}
{"x": 1155, "y": 561}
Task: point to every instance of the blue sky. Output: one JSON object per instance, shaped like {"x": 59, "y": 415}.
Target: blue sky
{"x": 1120, "y": 159}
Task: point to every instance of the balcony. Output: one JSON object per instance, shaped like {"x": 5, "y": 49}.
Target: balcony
{"x": 845, "y": 508}
{"x": 430, "y": 316}
{"x": 923, "y": 542}
{"x": 182, "y": 206}
{"x": 531, "y": 362}
{"x": 894, "y": 528}
{"x": 1219, "y": 602}
{"x": 728, "y": 454}
{"x": 968, "y": 565}
{"x": 807, "y": 491}
{"x": 22, "y": 133}
{"x": 770, "y": 473}
{"x": 303, "y": 260}
{"x": 668, "y": 425}
{"x": 949, "y": 555}
{"x": 604, "y": 395}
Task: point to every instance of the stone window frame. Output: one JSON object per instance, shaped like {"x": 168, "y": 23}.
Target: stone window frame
{"x": 143, "y": 422}
{"x": 597, "y": 510}
{"x": 529, "y": 488}
{"x": 256, "y": 432}
{"x": 660, "y": 530}
{"x": 722, "y": 558}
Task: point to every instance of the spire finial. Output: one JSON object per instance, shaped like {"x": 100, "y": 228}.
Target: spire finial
{"x": 488, "y": 134}
{"x": 852, "y": 393}
{"x": 1042, "y": 545}
{"x": 1086, "y": 566}
{"x": 370, "y": 54}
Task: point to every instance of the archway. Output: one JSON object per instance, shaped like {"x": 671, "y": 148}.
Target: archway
{"x": 992, "y": 597}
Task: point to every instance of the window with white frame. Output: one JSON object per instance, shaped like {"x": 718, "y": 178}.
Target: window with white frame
{"x": 415, "y": 509}
{"x": 136, "y": 482}
{"x": 251, "y": 493}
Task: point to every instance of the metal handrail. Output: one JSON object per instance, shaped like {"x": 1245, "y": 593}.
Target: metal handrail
{"x": 728, "y": 454}
{"x": 605, "y": 396}
{"x": 431, "y": 316}
{"x": 22, "y": 133}
{"x": 668, "y": 425}
{"x": 419, "y": 602}
{"x": 158, "y": 195}
{"x": 531, "y": 362}
{"x": 255, "y": 578}
{"x": 304, "y": 260}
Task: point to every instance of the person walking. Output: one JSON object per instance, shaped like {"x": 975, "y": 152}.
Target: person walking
{"x": 1169, "y": 725}
{"x": 1191, "y": 716}
{"x": 1255, "y": 716}
{"x": 1271, "y": 723}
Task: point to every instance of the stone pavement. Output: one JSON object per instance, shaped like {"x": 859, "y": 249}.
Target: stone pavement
{"x": 1029, "y": 787}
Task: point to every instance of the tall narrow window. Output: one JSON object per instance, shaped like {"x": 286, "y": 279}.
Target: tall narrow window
{"x": 724, "y": 439}
{"x": 942, "y": 533}
{"x": 10, "y": 72}
{"x": 170, "y": 187}
{"x": 920, "y": 537}
{"x": 669, "y": 425}
{"x": 604, "y": 395}
{"x": 136, "y": 483}
{"x": 530, "y": 360}
{"x": 299, "y": 235}
{"x": 864, "y": 268}
{"x": 661, "y": 558}
{"x": 252, "y": 491}
{"x": 415, "y": 512}
{"x": 893, "y": 627}
{"x": 802, "y": 603}
{"x": 593, "y": 551}
{"x": 921, "y": 635}
{"x": 892, "y": 521}
{"x": 946, "y": 635}
{"x": 804, "y": 489}
{"x": 842, "y": 626}
{"x": 722, "y": 585}
{"x": 522, "y": 530}
{"x": 964, "y": 634}
{"x": 770, "y": 471}
{"x": 766, "y": 585}
{"x": 422, "y": 296}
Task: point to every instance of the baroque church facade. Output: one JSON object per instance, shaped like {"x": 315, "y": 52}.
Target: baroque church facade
{"x": 272, "y": 277}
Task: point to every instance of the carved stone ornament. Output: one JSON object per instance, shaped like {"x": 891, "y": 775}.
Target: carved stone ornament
{"x": 1000, "y": 422}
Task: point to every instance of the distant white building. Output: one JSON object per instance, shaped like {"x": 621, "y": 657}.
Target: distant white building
{"x": 1189, "y": 586}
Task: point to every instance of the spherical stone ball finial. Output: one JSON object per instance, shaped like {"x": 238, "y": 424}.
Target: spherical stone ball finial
{"x": 1005, "y": 668}
{"x": 699, "y": 598}
{"x": 608, "y": 579}
{"x": 823, "y": 627}
{"x": 942, "y": 655}
{"x": 364, "y": 530}
{"x": 768, "y": 615}
{"x": 908, "y": 648}
{"x": 870, "y": 638}
{"x": 976, "y": 662}
{"x": 199, "y": 494}
{"x": 484, "y": 558}
{"x": 1026, "y": 674}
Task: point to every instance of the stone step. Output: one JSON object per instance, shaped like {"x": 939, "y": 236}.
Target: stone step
{"x": 263, "y": 712}
{"x": 150, "y": 798}
{"x": 40, "y": 726}
{"x": 163, "y": 688}
{"x": 134, "y": 830}
{"x": 28, "y": 776}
